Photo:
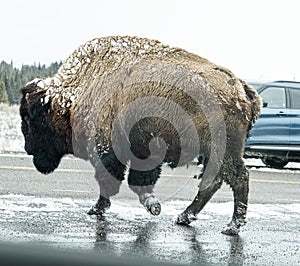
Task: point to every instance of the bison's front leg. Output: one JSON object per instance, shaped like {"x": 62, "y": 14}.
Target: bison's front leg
{"x": 142, "y": 183}
{"x": 240, "y": 187}
{"x": 100, "y": 207}
{"x": 109, "y": 174}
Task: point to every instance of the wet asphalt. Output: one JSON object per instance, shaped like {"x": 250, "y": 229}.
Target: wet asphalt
{"x": 50, "y": 211}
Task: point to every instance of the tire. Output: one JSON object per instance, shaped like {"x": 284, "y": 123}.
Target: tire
{"x": 275, "y": 162}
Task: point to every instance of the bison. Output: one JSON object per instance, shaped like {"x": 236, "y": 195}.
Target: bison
{"x": 130, "y": 104}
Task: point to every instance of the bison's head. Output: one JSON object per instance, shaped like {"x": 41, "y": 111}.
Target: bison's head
{"x": 42, "y": 140}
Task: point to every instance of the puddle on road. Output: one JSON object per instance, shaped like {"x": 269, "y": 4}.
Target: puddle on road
{"x": 271, "y": 235}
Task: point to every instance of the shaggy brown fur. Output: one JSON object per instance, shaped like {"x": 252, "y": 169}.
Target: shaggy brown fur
{"x": 115, "y": 99}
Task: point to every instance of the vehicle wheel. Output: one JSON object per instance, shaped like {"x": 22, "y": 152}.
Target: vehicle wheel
{"x": 275, "y": 162}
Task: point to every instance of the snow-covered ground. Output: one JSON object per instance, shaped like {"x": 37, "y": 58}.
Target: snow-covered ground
{"x": 11, "y": 138}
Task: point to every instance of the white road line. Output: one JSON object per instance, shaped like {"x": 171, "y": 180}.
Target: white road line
{"x": 274, "y": 181}
{"x": 69, "y": 190}
{"x": 24, "y": 155}
{"x": 21, "y": 168}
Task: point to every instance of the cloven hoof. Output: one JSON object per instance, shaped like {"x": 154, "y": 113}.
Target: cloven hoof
{"x": 152, "y": 205}
{"x": 185, "y": 218}
{"x": 231, "y": 231}
{"x": 101, "y": 206}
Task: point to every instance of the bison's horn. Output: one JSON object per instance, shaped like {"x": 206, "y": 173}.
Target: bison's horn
{"x": 31, "y": 87}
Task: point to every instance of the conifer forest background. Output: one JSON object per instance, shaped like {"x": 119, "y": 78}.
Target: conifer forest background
{"x": 12, "y": 78}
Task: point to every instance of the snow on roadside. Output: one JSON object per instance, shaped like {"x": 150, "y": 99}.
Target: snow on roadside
{"x": 253, "y": 163}
{"x": 13, "y": 203}
{"x": 11, "y": 138}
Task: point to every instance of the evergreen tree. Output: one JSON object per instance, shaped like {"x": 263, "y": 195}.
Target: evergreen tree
{"x": 18, "y": 84}
{"x": 7, "y": 82}
{"x": 9, "y": 89}
{"x": 3, "y": 93}
{"x": 14, "y": 78}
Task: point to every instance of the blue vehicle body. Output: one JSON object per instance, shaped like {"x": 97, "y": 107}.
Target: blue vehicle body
{"x": 275, "y": 137}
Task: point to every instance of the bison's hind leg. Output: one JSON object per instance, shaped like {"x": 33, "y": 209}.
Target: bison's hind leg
{"x": 109, "y": 175}
{"x": 142, "y": 183}
{"x": 239, "y": 183}
{"x": 203, "y": 196}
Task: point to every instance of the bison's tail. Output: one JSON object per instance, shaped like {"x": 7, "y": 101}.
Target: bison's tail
{"x": 256, "y": 102}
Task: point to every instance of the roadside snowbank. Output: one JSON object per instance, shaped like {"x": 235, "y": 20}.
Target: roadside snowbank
{"x": 11, "y": 138}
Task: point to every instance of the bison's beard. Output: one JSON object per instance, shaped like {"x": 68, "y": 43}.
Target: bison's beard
{"x": 46, "y": 164}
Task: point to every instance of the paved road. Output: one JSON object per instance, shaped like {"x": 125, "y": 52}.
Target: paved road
{"x": 51, "y": 211}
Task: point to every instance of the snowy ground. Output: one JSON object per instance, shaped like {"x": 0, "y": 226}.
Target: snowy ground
{"x": 270, "y": 237}
{"x": 11, "y": 138}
